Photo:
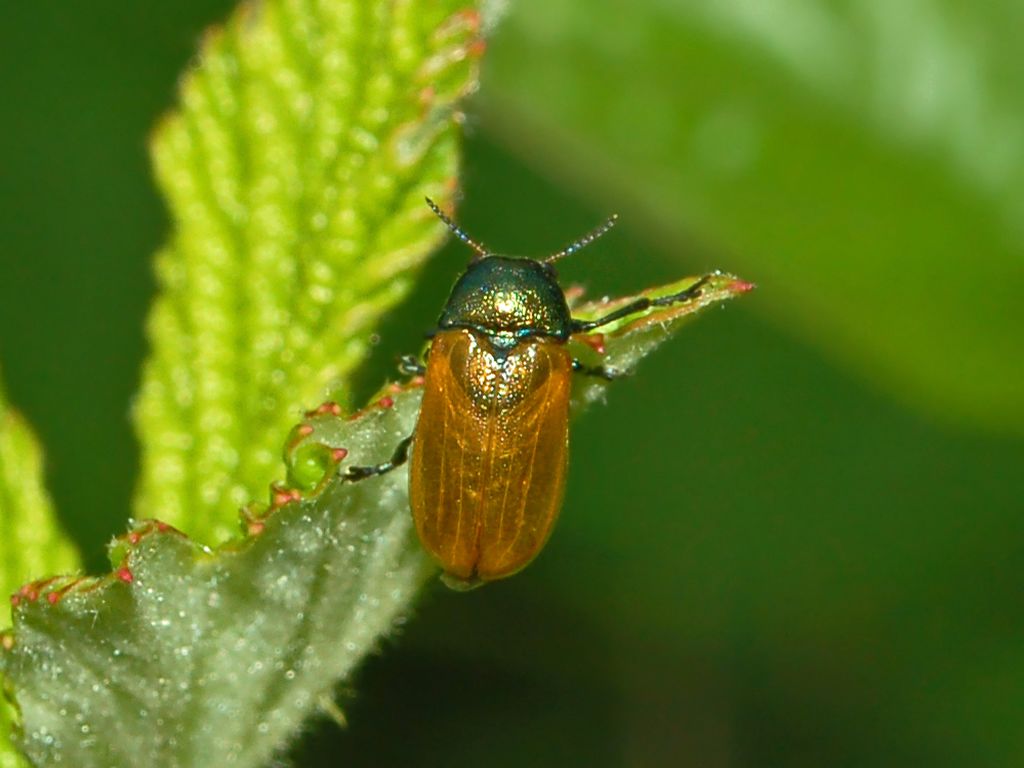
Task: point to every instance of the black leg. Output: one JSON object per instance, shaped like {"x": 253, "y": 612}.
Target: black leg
{"x": 398, "y": 458}
{"x": 640, "y": 305}
{"x": 408, "y": 365}
{"x": 600, "y": 371}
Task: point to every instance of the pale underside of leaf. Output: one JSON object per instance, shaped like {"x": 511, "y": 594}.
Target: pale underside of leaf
{"x": 190, "y": 657}
{"x": 204, "y": 658}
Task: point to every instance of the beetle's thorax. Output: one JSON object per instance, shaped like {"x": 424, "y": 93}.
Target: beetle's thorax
{"x": 508, "y": 299}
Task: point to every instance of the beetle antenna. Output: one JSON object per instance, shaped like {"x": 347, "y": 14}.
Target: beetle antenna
{"x": 456, "y": 230}
{"x": 584, "y": 241}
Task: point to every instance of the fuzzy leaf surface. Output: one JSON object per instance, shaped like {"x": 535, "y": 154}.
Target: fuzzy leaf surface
{"x": 295, "y": 169}
{"x": 188, "y": 657}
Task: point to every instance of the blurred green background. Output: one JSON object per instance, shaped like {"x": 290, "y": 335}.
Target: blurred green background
{"x": 796, "y": 537}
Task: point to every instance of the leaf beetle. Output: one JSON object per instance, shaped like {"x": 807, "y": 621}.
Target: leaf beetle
{"x": 490, "y": 448}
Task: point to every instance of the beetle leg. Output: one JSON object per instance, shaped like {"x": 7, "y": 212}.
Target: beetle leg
{"x": 408, "y": 365}
{"x": 640, "y": 305}
{"x": 398, "y": 458}
{"x": 601, "y": 371}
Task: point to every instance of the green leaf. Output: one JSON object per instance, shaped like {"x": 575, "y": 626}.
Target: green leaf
{"x": 621, "y": 345}
{"x": 183, "y": 657}
{"x": 860, "y": 158}
{"x": 295, "y": 170}
{"x": 10, "y": 756}
{"x": 31, "y": 542}
{"x": 190, "y": 657}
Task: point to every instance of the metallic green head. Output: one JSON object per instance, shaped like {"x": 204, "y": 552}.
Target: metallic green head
{"x": 508, "y": 299}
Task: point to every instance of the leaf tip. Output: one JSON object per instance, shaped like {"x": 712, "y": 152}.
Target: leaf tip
{"x": 740, "y": 286}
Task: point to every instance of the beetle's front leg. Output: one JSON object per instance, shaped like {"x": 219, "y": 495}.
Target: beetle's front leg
{"x": 409, "y": 365}
{"x": 600, "y": 371}
{"x": 642, "y": 304}
{"x": 398, "y": 458}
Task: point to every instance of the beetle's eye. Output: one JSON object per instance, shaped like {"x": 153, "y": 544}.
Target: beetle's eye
{"x": 549, "y": 268}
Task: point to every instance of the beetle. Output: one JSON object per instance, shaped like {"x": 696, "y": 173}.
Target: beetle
{"x": 490, "y": 447}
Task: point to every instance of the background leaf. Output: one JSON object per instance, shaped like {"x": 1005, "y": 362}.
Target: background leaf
{"x": 31, "y": 543}
{"x": 863, "y": 158}
{"x": 188, "y": 657}
{"x": 308, "y": 135}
